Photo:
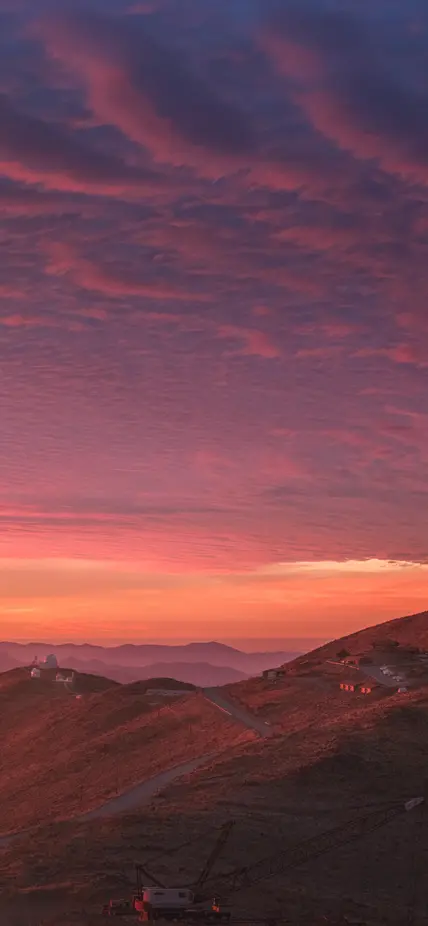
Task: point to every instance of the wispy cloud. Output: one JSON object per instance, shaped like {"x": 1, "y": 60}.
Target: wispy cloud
{"x": 213, "y": 327}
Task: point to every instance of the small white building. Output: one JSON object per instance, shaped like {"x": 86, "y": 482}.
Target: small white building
{"x": 35, "y": 672}
{"x": 64, "y": 679}
{"x": 273, "y": 674}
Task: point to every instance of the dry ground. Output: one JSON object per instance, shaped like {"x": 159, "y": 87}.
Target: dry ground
{"x": 320, "y": 773}
{"x": 66, "y": 756}
{"x": 310, "y": 687}
{"x": 411, "y": 630}
{"x": 332, "y": 757}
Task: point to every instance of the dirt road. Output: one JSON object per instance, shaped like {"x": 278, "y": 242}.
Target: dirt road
{"x": 238, "y": 713}
{"x": 127, "y": 801}
{"x": 143, "y": 792}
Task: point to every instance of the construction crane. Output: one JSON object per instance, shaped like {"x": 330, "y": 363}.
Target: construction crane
{"x": 174, "y": 902}
{"x": 223, "y": 836}
{"x": 302, "y": 852}
{"x": 291, "y": 857}
{"x": 149, "y": 878}
{"x": 218, "y": 847}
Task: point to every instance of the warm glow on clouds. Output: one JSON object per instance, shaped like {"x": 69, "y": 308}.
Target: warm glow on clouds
{"x": 347, "y": 567}
{"x": 213, "y": 326}
{"x": 63, "y": 599}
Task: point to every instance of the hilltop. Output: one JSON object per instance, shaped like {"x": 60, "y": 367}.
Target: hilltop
{"x": 411, "y": 630}
{"x": 315, "y": 676}
{"x": 332, "y": 756}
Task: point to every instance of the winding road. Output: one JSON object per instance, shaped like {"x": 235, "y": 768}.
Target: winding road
{"x": 135, "y": 797}
{"x": 142, "y": 793}
{"x": 237, "y": 713}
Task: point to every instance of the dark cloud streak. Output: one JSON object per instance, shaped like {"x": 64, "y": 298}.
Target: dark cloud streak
{"x": 348, "y": 83}
{"x": 212, "y": 298}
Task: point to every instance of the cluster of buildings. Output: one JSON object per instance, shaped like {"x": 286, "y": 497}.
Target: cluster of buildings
{"x": 37, "y": 667}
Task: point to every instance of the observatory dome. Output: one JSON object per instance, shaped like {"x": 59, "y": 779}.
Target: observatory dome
{"x": 51, "y": 662}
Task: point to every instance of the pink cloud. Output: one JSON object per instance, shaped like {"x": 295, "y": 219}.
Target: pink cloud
{"x": 321, "y": 238}
{"x": 324, "y": 352}
{"x": 148, "y": 93}
{"x": 64, "y": 260}
{"x": 21, "y": 321}
{"x": 414, "y": 355}
{"x": 37, "y": 152}
{"x": 334, "y": 71}
{"x": 255, "y": 343}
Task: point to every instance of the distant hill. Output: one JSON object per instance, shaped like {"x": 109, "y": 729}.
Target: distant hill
{"x": 207, "y": 664}
{"x": 199, "y": 673}
{"x": 159, "y": 684}
{"x": 7, "y": 662}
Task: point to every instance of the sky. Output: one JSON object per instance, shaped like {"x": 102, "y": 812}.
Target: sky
{"x": 213, "y": 321}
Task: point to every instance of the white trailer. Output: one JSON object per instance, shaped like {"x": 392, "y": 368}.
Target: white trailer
{"x": 157, "y": 902}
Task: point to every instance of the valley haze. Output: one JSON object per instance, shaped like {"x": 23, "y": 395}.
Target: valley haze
{"x": 203, "y": 664}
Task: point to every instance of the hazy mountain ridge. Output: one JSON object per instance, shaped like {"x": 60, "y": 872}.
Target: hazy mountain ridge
{"x": 199, "y": 663}
{"x": 197, "y": 673}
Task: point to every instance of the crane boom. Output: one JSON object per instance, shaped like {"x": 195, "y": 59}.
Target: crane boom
{"x": 142, "y": 870}
{"x": 311, "y": 848}
{"x": 214, "y": 854}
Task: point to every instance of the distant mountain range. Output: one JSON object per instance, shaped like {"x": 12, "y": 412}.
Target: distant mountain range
{"x": 202, "y": 664}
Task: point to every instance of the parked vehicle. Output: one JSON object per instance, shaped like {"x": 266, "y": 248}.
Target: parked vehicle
{"x": 177, "y": 904}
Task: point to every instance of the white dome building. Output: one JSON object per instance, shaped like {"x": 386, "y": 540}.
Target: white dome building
{"x": 51, "y": 662}
{"x": 35, "y": 672}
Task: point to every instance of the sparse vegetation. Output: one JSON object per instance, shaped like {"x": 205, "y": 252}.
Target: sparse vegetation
{"x": 66, "y": 756}
{"x": 331, "y": 757}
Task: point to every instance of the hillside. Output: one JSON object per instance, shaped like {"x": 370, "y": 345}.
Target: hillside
{"x": 310, "y": 678}
{"x": 411, "y": 630}
{"x": 332, "y": 757}
{"x": 279, "y": 792}
{"x": 66, "y": 756}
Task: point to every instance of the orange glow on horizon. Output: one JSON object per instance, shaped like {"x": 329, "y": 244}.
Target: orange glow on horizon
{"x": 72, "y": 600}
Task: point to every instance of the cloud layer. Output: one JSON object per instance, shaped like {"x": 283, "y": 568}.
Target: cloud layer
{"x": 213, "y": 327}
{"x": 355, "y": 85}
